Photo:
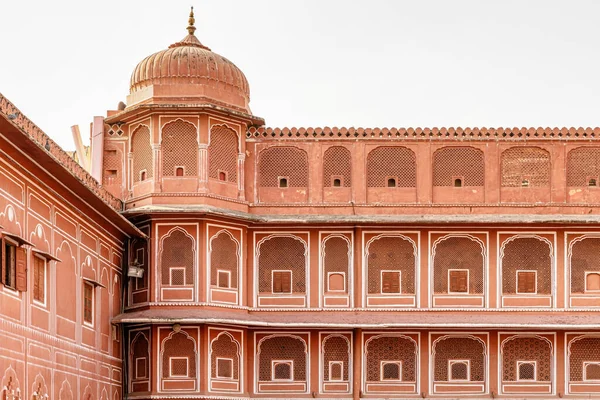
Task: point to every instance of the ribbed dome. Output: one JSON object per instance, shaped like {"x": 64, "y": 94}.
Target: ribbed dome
{"x": 192, "y": 70}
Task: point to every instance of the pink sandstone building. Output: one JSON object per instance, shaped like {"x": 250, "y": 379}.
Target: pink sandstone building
{"x": 206, "y": 256}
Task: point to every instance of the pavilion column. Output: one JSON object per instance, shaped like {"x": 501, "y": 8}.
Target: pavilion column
{"x": 203, "y": 167}
{"x": 357, "y": 377}
{"x": 130, "y": 178}
{"x": 240, "y": 175}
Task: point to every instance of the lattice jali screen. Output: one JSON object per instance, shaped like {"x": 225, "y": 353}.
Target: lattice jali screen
{"x": 526, "y": 349}
{"x": 391, "y": 162}
{"x": 177, "y": 252}
{"x": 282, "y": 253}
{"x": 224, "y": 347}
{"x": 527, "y": 254}
{"x": 282, "y": 348}
{"x": 112, "y": 161}
{"x": 337, "y": 161}
{"x": 394, "y": 254}
{"x": 458, "y": 162}
{"x": 585, "y": 350}
{"x": 142, "y": 153}
{"x": 336, "y": 348}
{"x": 179, "y": 148}
{"x": 584, "y": 258}
{"x": 223, "y": 153}
{"x": 288, "y": 162}
{"x": 391, "y": 348}
{"x": 530, "y": 164}
{"x": 336, "y": 258}
{"x": 459, "y": 348}
{"x": 583, "y": 163}
{"x": 458, "y": 253}
{"x": 140, "y": 349}
{"x": 224, "y": 256}
{"x": 179, "y": 345}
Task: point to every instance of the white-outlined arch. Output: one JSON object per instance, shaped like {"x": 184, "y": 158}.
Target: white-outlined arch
{"x": 349, "y": 270}
{"x": 162, "y": 350}
{"x": 160, "y": 254}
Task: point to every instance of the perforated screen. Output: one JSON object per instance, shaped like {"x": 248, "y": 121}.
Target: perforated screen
{"x": 395, "y": 254}
{"x": 177, "y": 253}
{"x": 142, "y": 153}
{"x": 282, "y": 348}
{"x": 282, "y": 253}
{"x": 526, "y": 349}
{"x": 288, "y": 162}
{"x": 224, "y": 257}
{"x": 140, "y": 350}
{"x": 459, "y": 348}
{"x": 179, "y": 345}
{"x": 223, "y": 153}
{"x": 584, "y": 258}
{"x": 397, "y": 162}
{"x": 583, "y": 163}
{"x": 391, "y": 348}
{"x": 179, "y": 148}
{"x": 336, "y": 259}
{"x": 112, "y": 166}
{"x": 458, "y": 253}
{"x": 466, "y": 163}
{"x": 224, "y": 347}
{"x": 336, "y": 348}
{"x": 527, "y": 254}
{"x": 337, "y": 162}
{"x": 525, "y": 164}
{"x": 582, "y": 351}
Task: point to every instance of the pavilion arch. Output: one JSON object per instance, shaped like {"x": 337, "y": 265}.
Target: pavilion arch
{"x": 337, "y": 164}
{"x": 408, "y": 268}
{"x": 38, "y": 237}
{"x": 583, "y": 260}
{"x": 139, "y": 349}
{"x": 65, "y": 392}
{"x": 583, "y": 165}
{"x": 525, "y": 166}
{"x": 282, "y": 249}
{"x": 449, "y": 252}
{"x": 39, "y": 386}
{"x": 465, "y": 163}
{"x": 221, "y": 257}
{"x": 8, "y": 219}
{"x": 282, "y": 162}
{"x": 180, "y": 340}
{"x": 459, "y": 347}
{"x": 233, "y": 354}
{"x": 287, "y": 347}
{"x": 166, "y": 255}
{"x": 179, "y": 147}
{"x": 582, "y": 351}
{"x": 526, "y": 347}
{"x": 336, "y": 348}
{"x": 223, "y": 150}
{"x": 525, "y": 246}
{"x": 10, "y": 381}
{"x": 391, "y": 347}
{"x": 143, "y": 159}
{"x": 336, "y": 264}
{"x": 397, "y": 163}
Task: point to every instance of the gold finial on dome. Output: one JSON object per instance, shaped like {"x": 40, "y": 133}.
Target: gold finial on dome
{"x": 191, "y": 28}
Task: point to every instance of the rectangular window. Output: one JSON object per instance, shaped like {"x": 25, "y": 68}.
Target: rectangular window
{"x": 223, "y": 279}
{"x": 10, "y": 265}
{"x": 458, "y": 281}
{"x": 336, "y": 371}
{"x": 39, "y": 279}
{"x": 140, "y": 368}
{"x": 459, "y": 370}
{"x": 526, "y": 370}
{"x": 282, "y": 370}
{"x": 178, "y": 367}
{"x": 592, "y": 281}
{"x": 391, "y": 371}
{"x": 282, "y": 281}
{"x": 390, "y": 281}
{"x": 224, "y": 368}
{"x": 526, "y": 281}
{"x": 177, "y": 276}
{"x": 88, "y": 302}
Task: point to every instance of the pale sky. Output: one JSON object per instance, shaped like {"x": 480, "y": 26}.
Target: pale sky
{"x": 370, "y": 63}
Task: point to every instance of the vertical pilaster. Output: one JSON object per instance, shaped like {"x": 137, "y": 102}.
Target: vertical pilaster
{"x": 240, "y": 175}
{"x": 130, "y": 173}
{"x": 157, "y": 176}
{"x": 357, "y": 377}
{"x": 203, "y": 167}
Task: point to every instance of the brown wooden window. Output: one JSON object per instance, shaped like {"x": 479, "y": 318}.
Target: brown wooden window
{"x": 39, "y": 279}
{"x": 390, "y": 282}
{"x": 526, "y": 282}
{"x": 223, "y": 279}
{"x": 224, "y": 368}
{"x": 14, "y": 266}
{"x": 282, "y": 281}
{"x": 459, "y": 281}
{"x": 88, "y": 302}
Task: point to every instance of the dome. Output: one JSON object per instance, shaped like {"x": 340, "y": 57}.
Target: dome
{"x": 189, "y": 72}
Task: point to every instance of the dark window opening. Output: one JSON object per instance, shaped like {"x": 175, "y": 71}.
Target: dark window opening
{"x": 10, "y": 265}
{"x": 525, "y": 183}
{"x": 391, "y": 182}
{"x": 592, "y": 182}
{"x": 222, "y": 176}
{"x": 88, "y": 299}
{"x": 337, "y": 182}
{"x": 179, "y": 171}
{"x": 283, "y": 182}
{"x": 143, "y": 176}
{"x": 458, "y": 182}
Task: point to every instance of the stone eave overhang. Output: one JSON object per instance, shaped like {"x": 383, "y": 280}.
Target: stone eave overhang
{"x": 31, "y": 140}
{"x": 134, "y": 112}
{"x": 368, "y": 319}
{"x": 413, "y": 219}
